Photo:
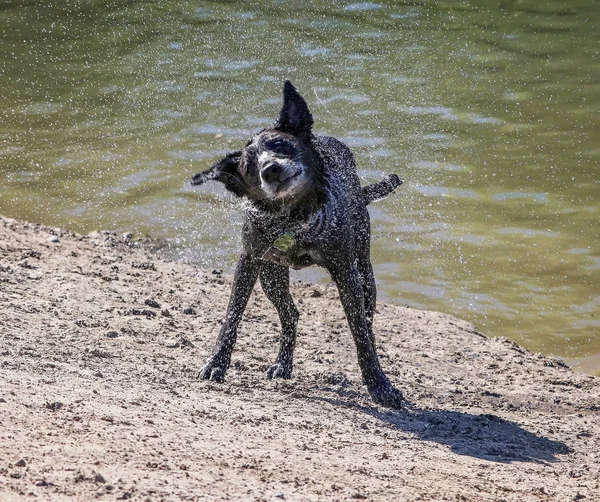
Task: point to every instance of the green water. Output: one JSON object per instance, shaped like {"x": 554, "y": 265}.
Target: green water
{"x": 488, "y": 111}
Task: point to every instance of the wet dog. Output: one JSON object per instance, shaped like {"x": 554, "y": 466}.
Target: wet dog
{"x": 305, "y": 207}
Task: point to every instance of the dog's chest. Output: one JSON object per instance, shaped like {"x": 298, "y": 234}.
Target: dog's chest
{"x": 285, "y": 245}
{"x": 295, "y": 256}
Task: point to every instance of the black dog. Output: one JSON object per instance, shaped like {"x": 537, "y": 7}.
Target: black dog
{"x": 306, "y": 207}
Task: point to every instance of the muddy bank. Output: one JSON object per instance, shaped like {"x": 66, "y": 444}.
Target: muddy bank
{"x": 100, "y": 343}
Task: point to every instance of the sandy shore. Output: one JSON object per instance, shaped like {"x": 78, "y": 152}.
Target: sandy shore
{"x": 100, "y": 342}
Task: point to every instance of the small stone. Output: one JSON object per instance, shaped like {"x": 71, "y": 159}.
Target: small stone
{"x": 99, "y": 478}
{"x": 21, "y": 463}
{"x": 165, "y": 313}
{"x": 189, "y": 311}
{"x": 112, "y": 334}
{"x": 148, "y": 265}
{"x": 104, "y": 489}
{"x": 172, "y": 343}
{"x": 178, "y": 342}
{"x": 54, "y": 406}
{"x": 146, "y": 312}
{"x": 53, "y": 238}
{"x": 151, "y": 302}
{"x": 2, "y": 400}
{"x": 94, "y": 235}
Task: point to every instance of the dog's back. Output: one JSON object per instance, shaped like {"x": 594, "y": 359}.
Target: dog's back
{"x": 338, "y": 162}
{"x": 340, "y": 175}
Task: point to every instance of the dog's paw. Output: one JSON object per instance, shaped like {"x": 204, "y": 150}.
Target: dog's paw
{"x": 211, "y": 371}
{"x": 279, "y": 370}
{"x": 387, "y": 395}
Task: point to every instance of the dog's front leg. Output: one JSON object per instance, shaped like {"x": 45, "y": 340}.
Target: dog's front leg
{"x": 347, "y": 279}
{"x": 275, "y": 281}
{"x": 244, "y": 279}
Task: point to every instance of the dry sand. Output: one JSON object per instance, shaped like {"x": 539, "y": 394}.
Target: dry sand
{"x": 100, "y": 342}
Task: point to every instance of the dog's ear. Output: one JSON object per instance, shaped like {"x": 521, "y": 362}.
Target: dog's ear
{"x": 225, "y": 171}
{"x": 295, "y": 116}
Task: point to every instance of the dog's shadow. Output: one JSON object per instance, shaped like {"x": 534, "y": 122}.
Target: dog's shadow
{"x": 483, "y": 436}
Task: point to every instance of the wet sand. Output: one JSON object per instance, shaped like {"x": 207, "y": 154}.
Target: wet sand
{"x": 101, "y": 340}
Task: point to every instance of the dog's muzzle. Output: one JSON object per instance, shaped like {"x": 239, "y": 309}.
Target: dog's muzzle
{"x": 273, "y": 173}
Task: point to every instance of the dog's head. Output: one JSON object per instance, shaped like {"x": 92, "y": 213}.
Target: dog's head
{"x": 278, "y": 167}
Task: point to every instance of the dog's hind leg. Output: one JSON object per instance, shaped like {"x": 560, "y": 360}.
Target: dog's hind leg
{"x": 365, "y": 271}
{"x": 244, "y": 279}
{"x": 275, "y": 282}
{"x": 347, "y": 279}
{"x": 367, "y": 278}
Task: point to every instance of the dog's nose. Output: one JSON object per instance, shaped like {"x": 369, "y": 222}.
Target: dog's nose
{"x": 271, "y": 172}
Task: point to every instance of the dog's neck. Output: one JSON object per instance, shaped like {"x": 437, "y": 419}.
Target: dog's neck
{"x": 283, "y": 217}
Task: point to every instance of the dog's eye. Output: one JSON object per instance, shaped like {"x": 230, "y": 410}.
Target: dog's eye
{"x": 281, "y": 147}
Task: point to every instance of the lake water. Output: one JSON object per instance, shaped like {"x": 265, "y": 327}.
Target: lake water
{"x": 488, "y": 111}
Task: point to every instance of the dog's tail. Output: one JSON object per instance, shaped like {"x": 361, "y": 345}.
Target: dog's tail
{"x": 380, "y": 189}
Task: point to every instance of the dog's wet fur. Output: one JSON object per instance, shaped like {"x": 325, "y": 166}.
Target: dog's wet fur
{"x": 305, "y": 207}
